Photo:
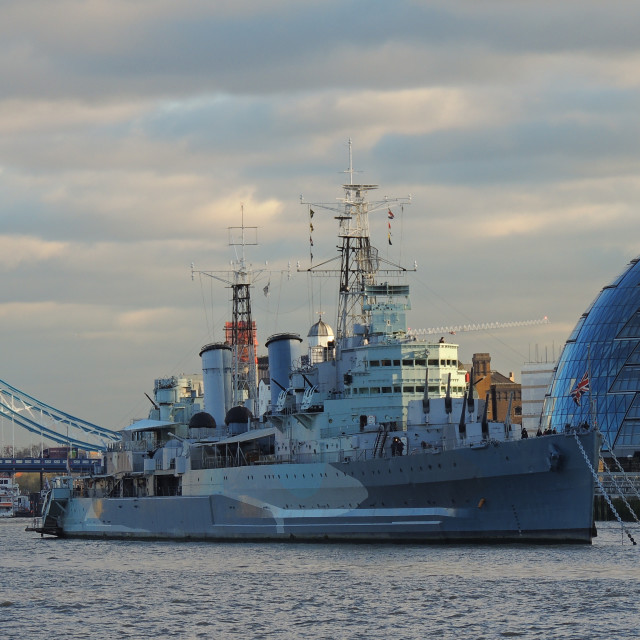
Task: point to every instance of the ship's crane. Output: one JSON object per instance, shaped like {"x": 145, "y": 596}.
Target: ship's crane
{"x": 485, "y": 326}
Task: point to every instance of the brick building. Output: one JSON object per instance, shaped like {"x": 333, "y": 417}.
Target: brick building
{"x": 499, "y": 387}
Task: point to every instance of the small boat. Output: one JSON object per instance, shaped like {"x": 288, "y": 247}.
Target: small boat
{"x": 9, "y": 492}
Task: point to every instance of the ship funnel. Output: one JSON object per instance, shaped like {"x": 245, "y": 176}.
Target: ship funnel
{"x": 284, "y": 350}
{"x": 216, "y": 375}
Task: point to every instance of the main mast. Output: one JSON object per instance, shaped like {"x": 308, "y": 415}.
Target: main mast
{"x": 359, "y": 259}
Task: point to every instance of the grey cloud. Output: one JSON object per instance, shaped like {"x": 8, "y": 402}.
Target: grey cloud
{"x": 197, "y": 49}
{"x": 525, "y": 152}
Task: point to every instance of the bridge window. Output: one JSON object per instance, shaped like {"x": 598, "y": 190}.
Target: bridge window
{"x": 407, "y": 363}
{"x": 374, "y": 363}
{"x": 420, "y": 363}
{"x": 386, "y": 363}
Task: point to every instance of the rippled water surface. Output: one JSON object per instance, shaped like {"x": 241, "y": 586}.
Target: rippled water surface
{"x": 108, "y": 589}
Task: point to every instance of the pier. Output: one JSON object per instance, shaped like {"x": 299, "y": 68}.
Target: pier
{"x": 620, "y": 487}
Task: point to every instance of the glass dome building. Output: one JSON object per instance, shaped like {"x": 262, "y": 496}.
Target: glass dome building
{"x": 605, "y": 345}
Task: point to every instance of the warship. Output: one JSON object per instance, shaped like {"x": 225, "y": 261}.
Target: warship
{"x": 368, "y": 433}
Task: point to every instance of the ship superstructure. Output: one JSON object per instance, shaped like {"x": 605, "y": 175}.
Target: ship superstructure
{"x": 370, "y": 434}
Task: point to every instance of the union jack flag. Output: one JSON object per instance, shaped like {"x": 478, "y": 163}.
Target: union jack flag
{"x": 581, "y": 388}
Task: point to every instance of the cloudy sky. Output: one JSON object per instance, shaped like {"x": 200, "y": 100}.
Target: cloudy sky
{"x": 133, "y": 132}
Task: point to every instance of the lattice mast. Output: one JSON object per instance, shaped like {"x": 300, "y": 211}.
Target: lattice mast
{"x": 359, "y": 259}
{"x": 242, "y": 328}
{"x": 240, "y": 332}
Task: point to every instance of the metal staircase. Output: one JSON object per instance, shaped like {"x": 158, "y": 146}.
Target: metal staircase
{"x": 381, "y": 439}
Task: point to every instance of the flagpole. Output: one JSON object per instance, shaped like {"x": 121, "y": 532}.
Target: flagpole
{"x": 593, "y": 416}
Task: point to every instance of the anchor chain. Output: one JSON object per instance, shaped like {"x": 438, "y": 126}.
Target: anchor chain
{"x": 604, "y": 493}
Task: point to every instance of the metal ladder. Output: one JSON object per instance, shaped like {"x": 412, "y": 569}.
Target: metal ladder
{"x": 381, "y": 438}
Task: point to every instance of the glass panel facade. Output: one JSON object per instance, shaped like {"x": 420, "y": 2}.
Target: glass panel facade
{"x": 632, "y": 328}
{"x": 606, "y": 344}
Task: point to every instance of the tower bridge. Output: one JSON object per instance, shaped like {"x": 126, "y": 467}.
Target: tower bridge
{"x": 59, "y": 466}
{"x": 19, "y": 410}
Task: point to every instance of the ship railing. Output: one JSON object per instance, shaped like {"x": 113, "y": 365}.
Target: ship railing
{"x": 355, "y": 455}
{"x": 62, "y": 482}
{"x": 133, "y": 445}
{"x": 96, "y": 492}
{"x": 207, "y": 462}
{"x": 324, "y": 456}
{"x": 220, "y": 462}
{"x": 168, "y": 491}
{"x": 341, "y": 455}
{"x": 266, "y": 459}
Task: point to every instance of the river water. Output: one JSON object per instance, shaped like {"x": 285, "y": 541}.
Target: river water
{"x": 52, "y": 588}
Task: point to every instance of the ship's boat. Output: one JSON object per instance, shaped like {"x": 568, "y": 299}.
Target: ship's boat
{"x": 366, "y": 433}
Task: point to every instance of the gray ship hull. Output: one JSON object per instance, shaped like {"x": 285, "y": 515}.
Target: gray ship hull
{"x": 536, "y": 490}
